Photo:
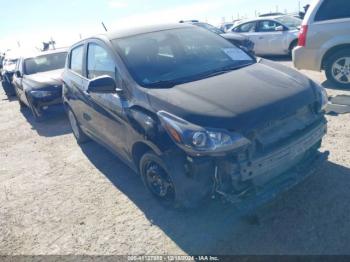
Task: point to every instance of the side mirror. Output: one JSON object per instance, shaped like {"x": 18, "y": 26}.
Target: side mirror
{"x": 18, "y": 74}
{"x": 279, "y": 28}
{"x": 102, "y": 84}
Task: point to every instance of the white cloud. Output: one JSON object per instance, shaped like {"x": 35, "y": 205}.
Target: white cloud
{"x": 203, "y": 10}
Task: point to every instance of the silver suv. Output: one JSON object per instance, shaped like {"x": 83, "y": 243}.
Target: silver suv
{"x": 324, "y": 41}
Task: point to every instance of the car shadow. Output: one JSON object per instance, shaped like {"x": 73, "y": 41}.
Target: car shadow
{"x": 54, "y": 123}
{"x": 305, "y": 220}
{"x": 329, "y": 85}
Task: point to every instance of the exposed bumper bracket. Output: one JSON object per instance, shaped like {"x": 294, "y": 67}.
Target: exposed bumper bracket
{"x": 255, "y": 197}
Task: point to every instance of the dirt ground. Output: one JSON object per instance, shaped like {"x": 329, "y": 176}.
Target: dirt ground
{"x": 59, "y": 198}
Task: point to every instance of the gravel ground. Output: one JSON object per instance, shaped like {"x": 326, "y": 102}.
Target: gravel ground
{"x": 59, "y": 198}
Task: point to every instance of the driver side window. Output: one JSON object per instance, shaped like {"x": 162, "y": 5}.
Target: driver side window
{"x": 245, "y": 28}
{"x": 99, "y": 62}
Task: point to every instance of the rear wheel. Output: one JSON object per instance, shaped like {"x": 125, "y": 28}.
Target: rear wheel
{"x": 337, "y": 68}
{"x": 79, "y": 134}
{"x": 293, "y": 45}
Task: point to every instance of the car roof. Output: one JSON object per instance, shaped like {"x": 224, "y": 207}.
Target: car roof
{"x": 52, "y": 51}
{"x": 144, "y": 29}
{"x": 273, "y": 17}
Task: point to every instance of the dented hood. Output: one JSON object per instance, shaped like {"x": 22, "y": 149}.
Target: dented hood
{"x": 44, "y": 79}
{"x": 239, "y": 100}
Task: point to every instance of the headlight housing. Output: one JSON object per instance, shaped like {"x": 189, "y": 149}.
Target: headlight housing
{"x": 322, "y": 97}
{"x": 197, "y": 140}
{"x": 41, "y": 93}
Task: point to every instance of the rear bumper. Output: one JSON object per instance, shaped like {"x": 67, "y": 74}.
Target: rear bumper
{"x": 308, "y": 59}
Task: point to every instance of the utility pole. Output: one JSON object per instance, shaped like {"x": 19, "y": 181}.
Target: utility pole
{"x": 19, "y": 43}
{"x": 104, "y": 27}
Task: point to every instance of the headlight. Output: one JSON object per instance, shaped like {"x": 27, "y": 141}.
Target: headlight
{"x": 198, "y": 140}
{"x": 41, "y": 94}
{"x": 322, "y": 96}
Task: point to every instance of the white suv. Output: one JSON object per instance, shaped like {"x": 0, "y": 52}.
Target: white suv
{"x": 324, "y": 41}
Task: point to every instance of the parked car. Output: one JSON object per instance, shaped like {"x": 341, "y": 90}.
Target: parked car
{"x": 271, "y": 14}
{"x": 194, "y": 114}
{"x": 274, "y": 35}
{"x": 226, "y": 26}
{"x": 235, "y": 38}
{"x": 9, "y": 64}
{"x": 324, "y": 41}
{"x": 38, "y": 82}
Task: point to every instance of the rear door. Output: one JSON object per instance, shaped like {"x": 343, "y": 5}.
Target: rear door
{"x": 73, "y": 85}
{"x": 270, "y": 41}
{"x": 18, "y": 81}
{"x": 249, "y": 29}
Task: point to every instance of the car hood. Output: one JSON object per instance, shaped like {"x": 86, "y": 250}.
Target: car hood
{"x": 235, "y": 36}
{"x": 44, "y": 79}
{"x": 9, "y": 68}
{"x": 240, "y": 100}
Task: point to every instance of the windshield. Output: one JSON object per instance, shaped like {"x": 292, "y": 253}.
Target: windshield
{"x": 210, "y": 28}
{"x": 289, "y": 21}
{"x": 177, "y": 56}
{"x": 10, "y": 62}
{"x": 44, "y": 63}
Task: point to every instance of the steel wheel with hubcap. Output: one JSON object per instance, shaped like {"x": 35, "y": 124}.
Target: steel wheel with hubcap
{"x": 338, "y": 69}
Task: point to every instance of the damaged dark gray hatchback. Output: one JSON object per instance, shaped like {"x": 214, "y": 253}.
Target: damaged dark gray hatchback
{"x": 193, "y": 114}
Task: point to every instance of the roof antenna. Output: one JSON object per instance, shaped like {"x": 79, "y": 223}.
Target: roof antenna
{"x": 105, "y": 28}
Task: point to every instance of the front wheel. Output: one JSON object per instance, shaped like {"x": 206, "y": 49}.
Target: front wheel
{"x": 337, "y": 69}
{"x": 79, "y": 134}
{"x": 157, "y": 179}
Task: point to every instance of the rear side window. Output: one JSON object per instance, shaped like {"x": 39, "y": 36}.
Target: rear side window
{"x": 76, "y": 60}
{"x": 245, "y": 28}
{"x": 333, "y": 9}
{"x": 99, "y": 62}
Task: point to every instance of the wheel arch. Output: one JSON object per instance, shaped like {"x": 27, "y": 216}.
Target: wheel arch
{"x": 295, "y": 41}
{"x": 332, "y": 51}
{"x": 140, "y": 148}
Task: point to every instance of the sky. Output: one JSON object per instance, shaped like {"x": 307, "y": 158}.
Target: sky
{"x": 30, "y": 22}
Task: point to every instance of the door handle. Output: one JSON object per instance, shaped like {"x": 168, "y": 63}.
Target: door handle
{"x": 261, "y": 37}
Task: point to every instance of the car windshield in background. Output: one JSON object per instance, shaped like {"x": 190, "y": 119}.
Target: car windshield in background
{"x": 170, "y": 57}
{"x": 44, "y": 63}
{"x": 289, "y": 21}
{"x": 11, "y": 62}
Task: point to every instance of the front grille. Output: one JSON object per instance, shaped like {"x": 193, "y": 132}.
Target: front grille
{"x": 280, "y": 132}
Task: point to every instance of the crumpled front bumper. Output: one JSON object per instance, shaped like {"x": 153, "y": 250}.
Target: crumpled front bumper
{"x": 253, "y": 199}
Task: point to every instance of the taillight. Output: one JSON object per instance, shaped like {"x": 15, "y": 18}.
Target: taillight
{"x": 302, "y": 35}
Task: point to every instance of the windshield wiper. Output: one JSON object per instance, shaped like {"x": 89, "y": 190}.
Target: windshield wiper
{"x": 162, "y": 84}
{"x": 224, "y": 70}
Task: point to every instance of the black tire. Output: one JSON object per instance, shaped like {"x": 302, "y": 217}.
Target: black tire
{"x": 293, "y": 45}
{"x": 182, "y": 192}
{"x": 335, "y": 64}
{"x": 21, "y": 104}
{"x": 78, "y": 133}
